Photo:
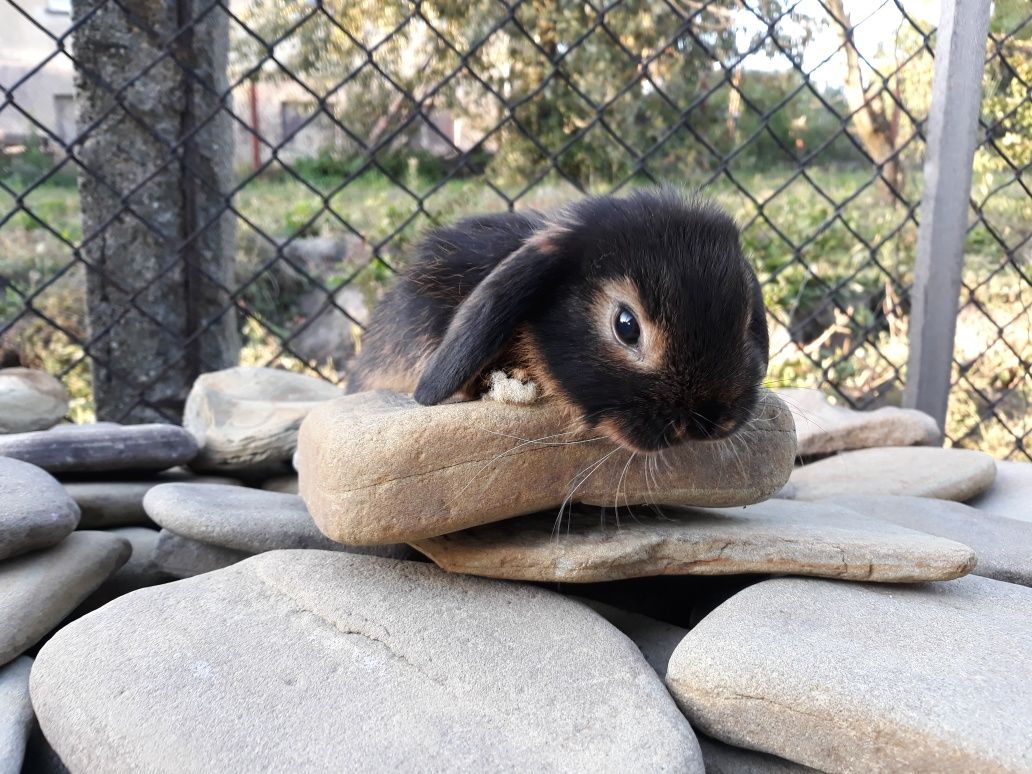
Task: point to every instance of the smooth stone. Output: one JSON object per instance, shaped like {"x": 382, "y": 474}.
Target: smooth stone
{"x": 248, "y": 520}
{"x": 852, "y": 677}
{"x": 656, "y": 640}
{"x": 1011, "y": 494}
{"x": 1003, "y": 546}
{"x": 722, "y": 758}
{"x": 246, "y": 416}
{"x": 139, "y": 572}
{"x": 103, "y": 447}
{"x": 285, "y": 484}
{"x": 30, "y": 400}
{"x": 778, "y": 536}
{"x": 38, "y": 590}
{"x": 16, "y": 716}
{"x": 183, "y": 557}
{"x": 822, "y": 428}
{"x": 106, "y": 504}
{"x": 379, "y": 664}
{"x": 439, "y": 469}
{"x": 35, "y": 511}
{"x": 946, "y": 474}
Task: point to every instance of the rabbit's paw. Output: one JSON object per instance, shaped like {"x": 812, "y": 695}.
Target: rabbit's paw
{"x": 507, "y": 389}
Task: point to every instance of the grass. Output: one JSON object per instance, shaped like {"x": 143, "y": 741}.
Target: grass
{"x": 806, "y": 236}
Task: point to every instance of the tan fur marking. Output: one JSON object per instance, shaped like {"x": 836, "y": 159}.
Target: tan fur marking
{"x": 649, "y": 354}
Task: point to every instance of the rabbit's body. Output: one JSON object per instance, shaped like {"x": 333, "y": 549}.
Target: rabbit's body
{"x": 639, "y": 313}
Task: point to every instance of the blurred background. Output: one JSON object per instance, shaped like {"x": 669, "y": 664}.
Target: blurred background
{"x": 189, "y": 184}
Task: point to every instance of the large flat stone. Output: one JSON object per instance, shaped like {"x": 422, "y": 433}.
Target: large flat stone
{"x": 778, "y": 536}
{"x": 946, "y": 474}
{"x": 102, "y": 448}
{"x": 822, "y": 428}
{"x": 35, "y": 512}
{"x": 377, "y": 467}
{"x": 248, "y": 520}
{"x": 16, "y": 717}
{"x": 248, "y": 417}
{"x": 30, "y": 400}
{"x": 182, "y": 557}
{"x": 354, "y": 661}
{"x": 139, "y": 572}
{"x": 1003, "y": 546}
{"x": 656, "y": 640}
{"x": 38, "y": 590}
{"x": 1011, "y": 494}
{"x": 850, "y": 677}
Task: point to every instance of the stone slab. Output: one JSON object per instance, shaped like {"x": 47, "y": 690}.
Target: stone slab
{"x": 35, "y": 512}
{"x": 1010, "y": 495}
{"x": 16, "y": 716}
{"x": 377, "y": 467}
{"x": 182, "y": 557}
{"x": 107, "y": 504}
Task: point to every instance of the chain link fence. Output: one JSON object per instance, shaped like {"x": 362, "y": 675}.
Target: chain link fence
{"x": 185, "y": 185}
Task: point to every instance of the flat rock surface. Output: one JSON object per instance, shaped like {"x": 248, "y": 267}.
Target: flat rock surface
{"x": 103, "y": 447}
{"x": 822, "y": 427}
{"x": 182, "y": 557}
{"x": 1003, "y": 546}
{"x": 15, "y": 714}
{"x": 35, "y": 511}
{"x": 389, "y": 666}
{"x": 1011, "y": 494}
{"x": 722, "y": 758}
{"x": 249, "y": 520}
{"x": 139, "y": 572}
{"x": 246, "y": 416}
{"x": 656, "y": 640}
{"x": 30, "y": 400}
{"x": 438, "y": 469}
{"x": 106, "y": 504}
{"x": 851, "y": 677}
{"x": 946, "y": 474}
{"x": 38, "y": 590}
{"x": 778, "y": 536}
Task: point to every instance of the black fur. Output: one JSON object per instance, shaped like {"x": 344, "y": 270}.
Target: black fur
{"x": 481, "y": 285}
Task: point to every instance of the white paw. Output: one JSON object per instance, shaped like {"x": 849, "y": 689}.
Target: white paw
{"x": 505, "y": 389}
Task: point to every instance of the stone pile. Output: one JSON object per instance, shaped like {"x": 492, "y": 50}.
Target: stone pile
{"x": 236, "y": 626}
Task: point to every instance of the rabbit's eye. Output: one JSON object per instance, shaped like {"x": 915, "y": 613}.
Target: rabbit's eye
{"x": 626, "y": 327}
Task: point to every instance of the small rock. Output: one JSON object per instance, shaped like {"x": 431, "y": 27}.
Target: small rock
{"x": 106, "y": 504}
{"x": 30, "y": 400}
{"x": 248, "y": 417}
{"x": 16, "y": 717}
{"x": 438, "y": 469}
{"x": 722, "y": 758}
{"x": 778, "y": 536}
{"x": 387, "y": 665}
{"x": 35, "y": 512}
{"x": 822, "y": 428}
{"x": 102, "y": 448}
{"x": 655, "y": 639}
{"x": 1011, "y": 494}
{"x": 853, "y": 677}
{"x": 38, "y": 590}
{"x": 946, "y": 474}
{"x": 1003, "y": 546}
{"x": 248, "y": 520}
{"x": 183, "y": 557}
{"x": 329, "y": 334}
{"x": 139, "y": 572}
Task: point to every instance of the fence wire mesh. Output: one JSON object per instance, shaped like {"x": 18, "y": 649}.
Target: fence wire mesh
{"x": 358, "y": 124}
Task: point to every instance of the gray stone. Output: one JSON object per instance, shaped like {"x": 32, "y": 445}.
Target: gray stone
{"x": 380, "y": 664}
{"x": 722, "y": 758}
{"x": 16, "y": 717}
{"x": 286, "y": 484}
{"x": 656, "y": 640}
{"x": 38, "y": 590}
{"x": 1003, "y": 546}
{"x": 102, "y": 448}
{"x": 851, "y": 677}
{"x": 30, "y": 400}
{"x": 139, "y": 572}
{"x": 1011, "y": 494}
{"x": 248, "y": 417}
{"x": 183, "y": 557}
{"x": 247, "y": 520}
{"x": 329, "y": 334}
{"x": 778, "y": 536}
{"x": 35, "y": 512}
{"x": 106, "y": 504}
{"x": 946, "y": 474}
{"x": 822, "y": 428}
{"x": 376, "y": 467}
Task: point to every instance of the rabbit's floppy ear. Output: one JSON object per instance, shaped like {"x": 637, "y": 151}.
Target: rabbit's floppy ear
{"x": 486, "y": 319}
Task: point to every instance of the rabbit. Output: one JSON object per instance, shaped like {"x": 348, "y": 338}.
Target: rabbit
{"x": 639, "y": 313}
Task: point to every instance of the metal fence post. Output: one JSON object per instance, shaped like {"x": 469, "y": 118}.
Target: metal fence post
{"x": 157, "y": 239}
{"x": 952, "y": 139}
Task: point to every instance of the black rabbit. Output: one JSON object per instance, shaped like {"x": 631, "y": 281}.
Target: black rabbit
{"x": 639, "y": 313}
